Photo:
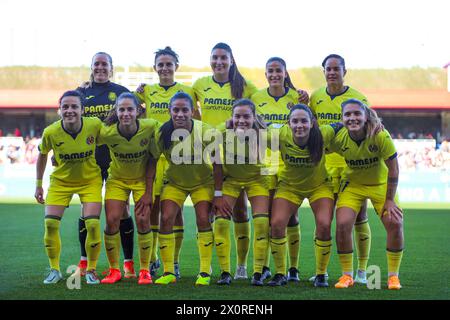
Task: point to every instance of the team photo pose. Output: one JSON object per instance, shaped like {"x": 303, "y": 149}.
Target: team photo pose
{"x": 273, "y": 104}
{"x": 326, "y": 106}
{"x": 231, "y": 179}
{"x": 303, "y": 176}
{"x": 132, "y": 171}
{"x": 73, "y": 141}
{"x": 371, "y": 173}
{"x": 101, "y": 95}
{"x": 156, "y": 98}
{"x": 180, "y": 139}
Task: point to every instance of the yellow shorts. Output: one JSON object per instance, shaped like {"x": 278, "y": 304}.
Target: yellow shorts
{"x": 178, "y": 195}
{"x": 161, "y": 168}
{"x": 256, "y": 187}
{"x": 59, "y": 194}
{"x": 290, "y": 193}
{"x": 120, "y": 189}
{"x": 353, "y": 196}
{"x": 335, "y": 173}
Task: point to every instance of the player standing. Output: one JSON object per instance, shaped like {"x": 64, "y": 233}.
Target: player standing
{"x": 326, "y": 105}
{"x": 73, "y": 140}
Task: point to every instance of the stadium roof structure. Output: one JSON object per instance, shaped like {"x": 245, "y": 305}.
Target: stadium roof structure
{"x": 379, "y": 99}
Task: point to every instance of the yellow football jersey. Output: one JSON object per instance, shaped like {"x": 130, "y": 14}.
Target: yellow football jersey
{"x": 298, "y": 170}
{"x": 187, "y": 167}
{"x": 216, "y": 100}
{"x": 327, "y": 110}
{"x": 274, "y": 109}
{"x": 74, "y": 153}
{"x": 157, "y": 99}
{"x": 365, "y": 159}
{"x": 129, "y": 157}
{"x": 241, "y": 160}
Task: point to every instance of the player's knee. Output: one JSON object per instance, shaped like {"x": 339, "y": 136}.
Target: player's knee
{"x": 362, "y": 215}
{"x": 323, "y": 230}
{"x": 112, "y": 224}
{"x": 278, "y": 230}
{"x": 343, "y": 228}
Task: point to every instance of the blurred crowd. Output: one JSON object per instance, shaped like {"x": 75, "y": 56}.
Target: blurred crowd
{"x": 425, "y": 158}
{"x": 19, "y": 150}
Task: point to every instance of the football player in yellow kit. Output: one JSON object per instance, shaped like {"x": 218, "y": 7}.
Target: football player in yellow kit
{"x": 215, "y": 95}
{"x": 273, "y": 105}
{"x": 326, "y": 105}
{"x": 371, "y": 173}
{"x": 241, "y": 170}
{"x": 132, "y": 171}
{"x": 183, "y": 141}
{"x": 73, "y": 141}
{"x": 302, "y": 145}
{"x": 156, "y": 98}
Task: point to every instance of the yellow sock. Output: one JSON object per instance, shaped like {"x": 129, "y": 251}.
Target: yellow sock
{"x": 155, "y": 231}
{"x": 363, "y": 241}
{"x": 112, "y": 246}
{"x": 52, "y": 240}
{"x": 394, "y": 260}
{"x": 346, "y": 260}
{"x": 145, "y": 243}
{"x": 93, "y": 241}
{"x": 223, "y": 243}
{"x": 268, "y": 255}
{"x": 278, "y": 248}
{"x": 205, "y": 242}
{"x": 242, "y": 237}
{"x": 323, "y": 253}
{"x": 179, "y": 235}
{"x": 166, "y": 250}
{"x": 293, "y": 238}
{"x": 260, "y": 240}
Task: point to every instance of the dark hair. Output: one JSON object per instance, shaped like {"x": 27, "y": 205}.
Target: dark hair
{"x": 236, "y": 79}
{"x": 167, "y": 127}
{"x": 72, "y": 93}
{"x": 315, "y": 140}
{"x": 335, "y": 56}
{"x": 109, "y": 59}
{"x": 166, "y": 51}
{"x": 112, "y": 114}
{"x": 287, "y": 81}
{"x": 259, "y": 123}
{"x": 373, "y": 121}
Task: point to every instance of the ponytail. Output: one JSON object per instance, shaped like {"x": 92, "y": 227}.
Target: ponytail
{"x": 237, "y": 81}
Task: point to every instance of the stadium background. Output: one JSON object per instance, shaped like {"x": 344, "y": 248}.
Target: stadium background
{"x": 415, "y": 110}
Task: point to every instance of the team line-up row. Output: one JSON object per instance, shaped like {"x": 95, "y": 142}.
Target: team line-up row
{"x": 360, "y": 164}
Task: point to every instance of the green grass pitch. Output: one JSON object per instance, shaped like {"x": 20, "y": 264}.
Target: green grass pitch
{"x": 424, "y": 271}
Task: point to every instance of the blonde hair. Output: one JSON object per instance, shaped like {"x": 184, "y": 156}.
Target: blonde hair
{"x": 373, "y": 124}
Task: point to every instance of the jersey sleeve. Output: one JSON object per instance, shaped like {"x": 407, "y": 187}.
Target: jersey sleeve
{"x": 101, "y": 135}
{"x": 249, "y": 90}
{"x": 140, "y": 96}
{"x": 46, "y": 144}
{"x": 387, "y": 147}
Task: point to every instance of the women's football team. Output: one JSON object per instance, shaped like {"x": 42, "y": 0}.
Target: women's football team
{"x": 274, "y": 147}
